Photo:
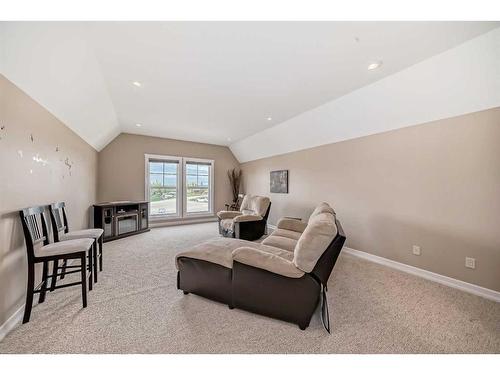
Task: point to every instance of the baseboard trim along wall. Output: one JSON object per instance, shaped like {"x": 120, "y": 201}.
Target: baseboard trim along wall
{"x": 167, "y": 223}
{"x": 12, "y": 322}
{"x": 428, "y": 275}
{"x": 17, "y": 317}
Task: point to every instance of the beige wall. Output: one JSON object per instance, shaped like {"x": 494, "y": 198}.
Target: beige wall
{"x": 26, "y": 182}
{"x": 121, "y": 165}
{"x": 435, "y": 185}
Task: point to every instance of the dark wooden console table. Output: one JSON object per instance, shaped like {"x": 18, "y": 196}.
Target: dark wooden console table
{"x": 121, "y": 218}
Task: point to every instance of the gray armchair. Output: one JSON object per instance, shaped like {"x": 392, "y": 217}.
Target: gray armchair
{"x": 250, "y": 222}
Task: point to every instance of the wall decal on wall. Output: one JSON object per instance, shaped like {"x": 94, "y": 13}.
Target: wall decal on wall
{"x": 57, "y": 148}
{"x": 69, "y": 164}
{"x": 20, "y": 153}
{"x": 2, "y": 131}
{"x": 31, "y": 138}
{"x": 38, "y": 159}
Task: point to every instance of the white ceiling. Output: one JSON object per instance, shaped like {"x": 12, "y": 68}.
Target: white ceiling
{"x": 54, "y": 64}
{"x": 461, "y": 80}
{"x": 213, "y": 82}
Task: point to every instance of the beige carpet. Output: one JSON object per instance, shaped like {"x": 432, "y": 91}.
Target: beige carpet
{"x": 136, "y": 308}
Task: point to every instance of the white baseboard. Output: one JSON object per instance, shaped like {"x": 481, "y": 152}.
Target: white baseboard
{"x": 17, "y": 317}
{"x": 12, "y": 322}
{"x": 428, "y": 275}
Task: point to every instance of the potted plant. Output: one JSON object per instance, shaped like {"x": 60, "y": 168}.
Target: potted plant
{"x": 234, "y": 176}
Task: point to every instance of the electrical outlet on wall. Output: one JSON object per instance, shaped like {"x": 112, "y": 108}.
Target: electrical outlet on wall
{"x": 470, "y": 262}
{"x": 416, "y": 250}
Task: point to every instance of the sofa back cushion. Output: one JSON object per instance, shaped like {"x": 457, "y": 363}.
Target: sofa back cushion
{"x": 260, "y": 204}
{"x": 254, "y": 205}
{"x": 319, "y": 233}
{"x": 245, "y": 205}
{"x": 323, "y": 208}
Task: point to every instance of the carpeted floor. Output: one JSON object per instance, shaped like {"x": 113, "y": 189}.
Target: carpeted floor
{"x": 136, "y": 308}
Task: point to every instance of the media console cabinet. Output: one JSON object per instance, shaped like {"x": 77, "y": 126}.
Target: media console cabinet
{"x": 121, "y": 218}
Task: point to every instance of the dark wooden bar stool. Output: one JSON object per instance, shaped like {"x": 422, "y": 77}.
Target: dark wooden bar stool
{"x": 61, "y": 232}
{"x": 41, "y": 251}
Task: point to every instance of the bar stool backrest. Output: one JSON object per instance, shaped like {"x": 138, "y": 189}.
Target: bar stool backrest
{"x": 58, "y": 219}
{"x": 34, "y": 228}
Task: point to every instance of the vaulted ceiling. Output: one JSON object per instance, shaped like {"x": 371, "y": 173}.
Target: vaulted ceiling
{"x": 213, "y": 82}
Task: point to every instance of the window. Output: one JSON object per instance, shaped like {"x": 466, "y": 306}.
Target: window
{"x": 197, "y": 186}
{"x": 163, "y": 186}
{"x": 179, "y": 187}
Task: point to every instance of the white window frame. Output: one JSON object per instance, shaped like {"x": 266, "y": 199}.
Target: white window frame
{"x": 210, "y": 185}
{"x": 181, "y": 188}
{"x": 147, "y": 159}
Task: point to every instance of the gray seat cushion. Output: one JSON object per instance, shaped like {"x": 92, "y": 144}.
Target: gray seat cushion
{"x": 287, "y": 233}
{"x": 228, "y": 214}
{"x": 284, "y": 243}
{"x": 64, "y": 247}
{"x": 220, "y": 250}
{"x": 84, "y": 233}
{"x": 266, "y": 261}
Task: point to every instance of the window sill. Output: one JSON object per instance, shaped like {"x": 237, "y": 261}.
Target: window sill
{"x": 167, "y": 221}
{"x": 181, "y": 218}
{"x": 198, "y": 214}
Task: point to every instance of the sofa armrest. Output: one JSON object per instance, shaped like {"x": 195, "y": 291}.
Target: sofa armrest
{"x": 291, "y": 224}
{"x": 266, "y": 261}
{"x": 242, "y": 218}
{"x": 228, "y": 214}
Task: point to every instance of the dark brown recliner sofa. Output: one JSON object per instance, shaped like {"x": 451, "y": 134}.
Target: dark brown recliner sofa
{"x": 250, "y": 222}
{"x": 272, "y": 278}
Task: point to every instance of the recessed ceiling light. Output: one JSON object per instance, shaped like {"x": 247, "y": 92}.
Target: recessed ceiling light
{"x": 137, "y": 84}
{"x": 269, "y": 119}
{"x": 229, "y": 139}
{"x": 138, "y": 125}
{"x": 375, "y": 65}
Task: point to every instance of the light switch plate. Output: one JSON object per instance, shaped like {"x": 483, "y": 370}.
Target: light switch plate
{"x": 416, "y": 250}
